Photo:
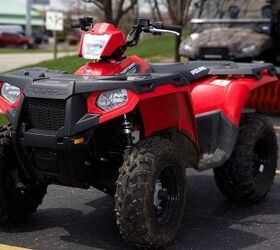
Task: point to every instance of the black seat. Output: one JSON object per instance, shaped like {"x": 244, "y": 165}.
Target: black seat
{"x": 191, "y": 71}
{"x": 162, "y": 68}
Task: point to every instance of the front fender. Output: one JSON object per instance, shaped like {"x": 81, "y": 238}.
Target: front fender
{"x": 164, "y": 108}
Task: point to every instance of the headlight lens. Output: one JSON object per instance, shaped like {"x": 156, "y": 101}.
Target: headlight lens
{"x": 93, "y": 46}
{"x": 194, "y": 36}
{"x": 249, "y": 49}
{"x": 10, "y": 92}
{"x": 187, "y": 47}
{"x": 112, "y": 99}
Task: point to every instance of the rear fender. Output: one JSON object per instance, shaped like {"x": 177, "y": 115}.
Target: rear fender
{"x": 261, "y": 95}
{"x": 218, "y": 123}
{"x": 265, "y": 99}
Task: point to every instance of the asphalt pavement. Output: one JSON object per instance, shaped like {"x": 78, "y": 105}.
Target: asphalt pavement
{"x": 84, "y": 219}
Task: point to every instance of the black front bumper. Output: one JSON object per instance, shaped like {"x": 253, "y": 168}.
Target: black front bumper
{"x": 48, "y": 152}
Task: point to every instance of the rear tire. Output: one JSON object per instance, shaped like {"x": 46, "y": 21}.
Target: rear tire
{"x": 150, "y": 193}
{"x": 248, "y": 175}
{"x": 18, "y": 199}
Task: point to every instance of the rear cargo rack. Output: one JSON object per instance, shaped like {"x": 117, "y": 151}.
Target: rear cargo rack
{"x": 229, "y": 68}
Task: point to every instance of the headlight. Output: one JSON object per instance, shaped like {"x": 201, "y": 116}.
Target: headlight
{"x": 194, "y": 36}
{"x": 188, "y": 47}
{"x": 112, "y": 99}
{"x": 93, "y": 46}
{"x": 249, "y": 49}
{"x": 10, "y": 92}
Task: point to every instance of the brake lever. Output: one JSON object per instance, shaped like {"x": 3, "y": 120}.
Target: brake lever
{"x": 155, "y": 30}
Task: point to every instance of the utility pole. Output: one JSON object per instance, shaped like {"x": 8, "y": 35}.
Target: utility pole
{"x": 28, "y": 26}
{"x": 79, "y": 8}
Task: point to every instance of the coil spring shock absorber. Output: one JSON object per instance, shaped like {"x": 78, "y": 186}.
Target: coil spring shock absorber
{"x": 127, "y": 130}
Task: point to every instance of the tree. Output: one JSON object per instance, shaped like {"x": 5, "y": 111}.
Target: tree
{"x": 179, "y": 13}
{"x": 114, "y": 10}
{"x": 155, "y": 10}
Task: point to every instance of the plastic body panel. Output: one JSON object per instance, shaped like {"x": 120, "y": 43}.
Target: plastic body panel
{"x": 159, "y": 111}
{"x": 266, "y": 98}
{"x": 116, "y": 41}
{"x": 233, "y": 98}
{"x": 129, "y": 65}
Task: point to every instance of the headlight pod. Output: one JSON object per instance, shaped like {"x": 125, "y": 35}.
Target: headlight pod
{"x": 188, "y": 48}
{"x": 9, "y": 92}
{"x": 112, "y": 99}
{"x": 194, "y": 36}
{"x": 93, "y": 46}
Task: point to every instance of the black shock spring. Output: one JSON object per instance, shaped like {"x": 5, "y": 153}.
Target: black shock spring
{"x": 127, "y": 130}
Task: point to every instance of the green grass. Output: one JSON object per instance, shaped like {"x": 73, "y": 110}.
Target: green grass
{"x": 155, "y": 48}
{"x": 67, "y": 63}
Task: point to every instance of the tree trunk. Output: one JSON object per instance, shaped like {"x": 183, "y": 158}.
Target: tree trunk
{"x": 177, "y": 57}
{"x": 158, "y": 11}
{"x": 108, "y": 11}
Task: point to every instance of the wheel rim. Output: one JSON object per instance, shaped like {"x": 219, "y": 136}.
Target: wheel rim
{"x": 260, "y": 158}
{"x": 166, "y": 195}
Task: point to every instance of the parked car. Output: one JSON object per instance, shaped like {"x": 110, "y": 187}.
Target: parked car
{"x": 16, "y": 40}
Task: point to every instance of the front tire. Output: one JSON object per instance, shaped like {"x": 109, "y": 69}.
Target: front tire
{"x": 150, "y": 194}
{"x": 248, "y": 175}
{"x": 18, "y": 199}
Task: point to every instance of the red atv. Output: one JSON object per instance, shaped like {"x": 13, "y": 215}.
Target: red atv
{"x": 130, "y": 129}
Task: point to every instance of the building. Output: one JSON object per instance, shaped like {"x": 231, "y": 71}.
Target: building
{"x": 14, "y": 13}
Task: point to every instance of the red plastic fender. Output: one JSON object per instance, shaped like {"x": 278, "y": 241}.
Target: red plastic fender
{"x": 163, "y": 112}
{"x": 234, "y": 96}
{"x": 113, "y": 67}
{"x": 166, "y": 107}
{"x": 266, "y": 98}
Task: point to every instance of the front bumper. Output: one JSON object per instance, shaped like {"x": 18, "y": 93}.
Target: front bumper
{"x": 54, "y": 156}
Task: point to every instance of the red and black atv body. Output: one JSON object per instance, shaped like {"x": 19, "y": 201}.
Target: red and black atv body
{"x": 65, "y": 129}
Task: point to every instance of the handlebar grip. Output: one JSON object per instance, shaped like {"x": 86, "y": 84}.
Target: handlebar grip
{"x": 176, "y": 28}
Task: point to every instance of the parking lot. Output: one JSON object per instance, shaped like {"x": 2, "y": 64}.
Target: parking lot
{"x": 84, "y": 219}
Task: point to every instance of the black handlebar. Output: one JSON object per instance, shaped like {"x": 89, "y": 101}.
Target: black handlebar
{"x": 84, "y": 23}
{"x": 160, "y": 25}
{"x": 144, "y": 25}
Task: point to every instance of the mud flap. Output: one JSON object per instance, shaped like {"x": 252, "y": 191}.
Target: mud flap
{"x": 217, "y": 138}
